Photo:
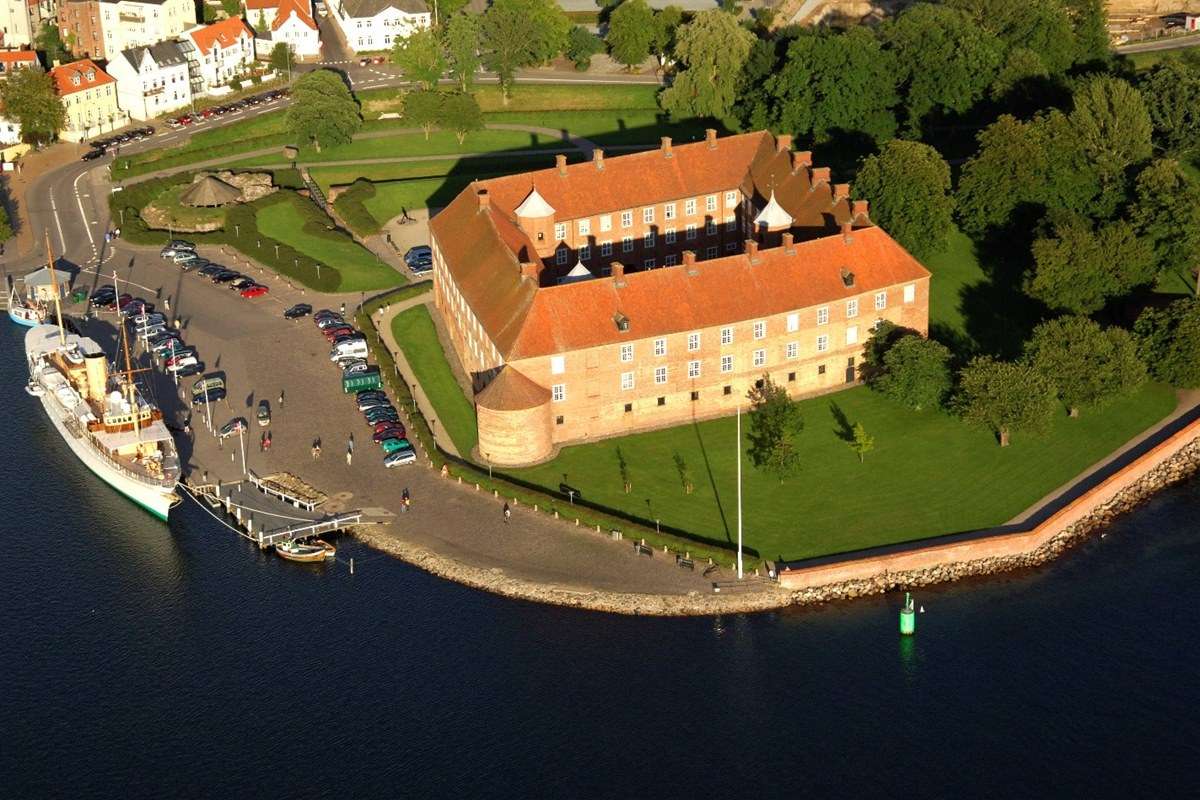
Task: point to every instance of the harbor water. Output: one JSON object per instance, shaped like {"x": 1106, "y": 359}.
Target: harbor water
{"x": 142, "y": 659}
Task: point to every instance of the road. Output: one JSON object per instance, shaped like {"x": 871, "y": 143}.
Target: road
{"x": 1168, "y": 43}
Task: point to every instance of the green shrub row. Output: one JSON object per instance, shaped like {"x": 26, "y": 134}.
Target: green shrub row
{"x": 350, "y": 207}
{"x": 128, "y": 168}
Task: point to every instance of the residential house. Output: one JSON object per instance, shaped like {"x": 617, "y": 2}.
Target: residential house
{"x": 218, "y": 53}
{"x": 10, "y": 130}
{"x": 376, "y": 24}
{"x": 11, "y": 60}
{"x": 287, "y": 21}
{"x": 130, "y": 23}
{"x": 152, "y": 80}
{"x": 79, "y": 26}
{"x": 17, "y": 23}
{"x": 89, "y": 95}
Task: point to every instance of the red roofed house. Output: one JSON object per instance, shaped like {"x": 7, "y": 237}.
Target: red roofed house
{"x": 11, "y": 60}
{"x": 218, "y": 53}
{"x": 89, "y": 95}
{"x": 595, "y": 299}
{"x": 287, "y": 21}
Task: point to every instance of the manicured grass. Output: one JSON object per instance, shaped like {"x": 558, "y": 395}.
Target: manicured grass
{"x": 360, "y": 269}
{"x": 611, "y": 126}
{"x": 438, "y": 143}
{"x": 954, "y": 269}
{"x": 415, "y": 332}
{"x": 186, "y": 216}
{"x": 382, "y": 173}
{"x": 267, "y": 130}
{"x": 533, "y": 97}
{"x": 929, "y": 474}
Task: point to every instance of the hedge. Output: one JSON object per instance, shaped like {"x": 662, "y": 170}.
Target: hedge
{"x": 349, "y": 206}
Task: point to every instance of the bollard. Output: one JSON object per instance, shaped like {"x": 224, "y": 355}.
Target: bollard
{"x": 597, "y": 529}
{"x": 351, "y": 565}
{"x": 556, "y": 513}
{"x": 535, "y": 506}
{"x": 664, "y": 548}
{"x": 460, "y": 478}
{"x": 577, "y": 522}
{"x": 477, "y": 487}
{"x": 495, "y": 492}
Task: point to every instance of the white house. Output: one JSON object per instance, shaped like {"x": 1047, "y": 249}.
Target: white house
{"x": 287, "y": 21}
{"x": 10, "y": 131}
{"x": 130, "y": 23}
{"x": 16, "y": 23}
{"x": 218, "y": 53}
{"x": 152, "y": 80}
{"x": 376, "y": 24}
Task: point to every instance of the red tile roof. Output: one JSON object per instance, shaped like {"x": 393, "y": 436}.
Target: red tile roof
{"x": 23, "y": 57}
{"x": 261, "y": 5}
{"x": 289, "y": 8}
{"x": 225, "y": 33}
{"x": 64, "y": 76}
{"x": 511, "y": 390}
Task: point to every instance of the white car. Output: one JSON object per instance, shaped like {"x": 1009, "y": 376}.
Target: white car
{"x": 399, "y": 458}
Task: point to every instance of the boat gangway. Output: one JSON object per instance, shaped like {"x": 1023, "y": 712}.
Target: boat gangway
{"x": 268, "y": 520}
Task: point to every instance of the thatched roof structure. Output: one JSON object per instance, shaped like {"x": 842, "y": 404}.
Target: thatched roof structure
{"x": 209, "y": 192}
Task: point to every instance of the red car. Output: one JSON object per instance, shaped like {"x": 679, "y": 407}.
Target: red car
{"x": 396, "y": 431}
{"x": 257, "y": 290}
{"x": 336, "y": 331}
{"x": 120, "y": 302}
{"x": 184, "y": 120}
{"x": 388, "y": 425}
{"x": 206, "y": 113}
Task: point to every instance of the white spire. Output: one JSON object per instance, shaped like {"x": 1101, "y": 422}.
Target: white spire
{"x": 534, "y": 205}
{"x": 579, "y": 272}
{"x": 773, "y": 217}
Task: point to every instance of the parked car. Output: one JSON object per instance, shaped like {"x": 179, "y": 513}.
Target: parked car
{"x": 349, "y": 337}
{"x": 365, "y": 405}
{"x": 297, "y": 311}
{"x": 233, "y": 427}
{"x": 208, "y": 396}
{"x": 400, "y": 457}
{"x": 329, "y": 320}
{"x": 395, "y": 431}
{"x": 395, "y": 444}
{"x": 182, "y": 356}
{"x": 190, "y": 369}
{"x": 103, "y": 296}
{"x": 385, "y": 424}
{"x": 135, "y": 307}
{"x": 349, "y": 362}
{"x": 210, "y": 270}
{"x": 205, "y": 384}
{"x": 334, "y": 331}
{"x": 91, "y": 155}
{"x": 254, "y": 290}
{"x": 354, "y": 369}
{"x": 196, "y": 263}
{"x": 184, "y": 255}
{"x": 264, "y": 413}
{"x": 381, "y": 414}
{"x": 418, "y": 254}
{"x": 241, "y": 283}
{"x": 226, "y": 275}
{"x": 352, "y": 349}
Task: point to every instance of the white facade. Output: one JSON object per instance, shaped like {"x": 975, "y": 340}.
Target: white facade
{"x": 151, "y": 81}
{"x": 15, "y": 23}
{"x": 218, "y": 53}
{"x": 287, "y": 21}
{"x": 10, "y": 131}
{"x": 128, "y": 23}
{"x": 377, "y": 24}
{"x": 293, "y": 31}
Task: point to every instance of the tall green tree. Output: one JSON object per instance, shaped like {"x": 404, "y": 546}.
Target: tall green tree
{"x": 30, "y": 98}
{"x": 460, "y": 113}
{"x": 861, "y": 442}
{"x": 666, "y": 23}
{"x": 547, "y": 26}
{"x": 1090, "y": 20}
{"x": 582, "y": 44}
{"x": 282, "y": 57}
{"x": 1044, "y": 27}
{"x": 630, "y": 33}
{"x": 909, "y": 187}
{"x": 776, "y": 420}
{"x": 834, "y": 83}
{"x": 423, "y": 109}
{"x": 1078, "y": 267}
{"x": 1005, "y": 397}
{"x": 419, "y": 56}
{"x": 916, "y": 373}
{"x": 1168, "y": 340}
{"x": 713, "y": 47}
{"x": 1171, "y": 91}
{"x": 6, "y": 231}
{"x": 322, "y": 110}
{"x": 506, "y": 45}
{"x": 1112, "y": 124}
{"x": 1087, "y": 365}
{"x": 463, "y": 42}
{"x": 49, "y": 40}
{"x": 1166, "y": 211}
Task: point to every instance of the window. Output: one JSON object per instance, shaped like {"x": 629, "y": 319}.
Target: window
{"x": 558, "y": 365}
{"x": 760, "y": 357}
{"x": 730, "y": 246}
{"x": 792, "y": 350}
{"x": 880, "y": 301}
{"x": 585, "y": 227}
{"x": 627, "y": 244}
{"x": 791, "y": 377}
{"x": 731, "y": 199}
{"x": 822, "y": 343}
{"x": 710, "y": 252}
{"x": 852, "y": 308}
{"x": 648, "y": 215}
{"x": 560, "y": 257}
{"x": 669, "y": 211}
{"x": 693, "y": 342}
{"x": 910, "y": 293}
{"x": 660, "y": 374}
{"x": 710, "y": 203}
{"x": 852, "y": 334}
{"x": 662, "y": 401}
{"x": 670, "y": 260}
{"x": 695, "y": 396}
{"x": 670, "y": 235}
{"x": 793, "y": 323}
{"x": 648, "y": 239}
{"x": 606, "y": 222}
{"x": 649, "y": 263}
{"x": 558, "y": 392}
{"x": 626, "y": 219}
{"x": 627, "y": 352}
{"x": 626, "y": 381}
{"x": 710, "y": 228}
{"x": 560, "y": 231}
{"x": 629, "y": 408}
{"x": 823, "y": 315}
{"x": 660, "y": 347}
{"x": 693, "y": 369}
{"x": 726, "y": 363}
{"x": 728, "y": 390}
{"x": 731, "y": 223}
{"x": 689, "y": 207}
{"x": 691, "y": 232}
{"x": 585, "y": 252}
{"x": 726, "y": 335}
{"x": 820, "y": 369}
{"x": 760, "y": 330}
{"x": 558, "y": 420}
{"x": 606, "y": 248}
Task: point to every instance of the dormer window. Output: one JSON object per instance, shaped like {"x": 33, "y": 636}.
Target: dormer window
{"x": 91, "y": 75}
{"x": 622, "y": 322}
{"x": 847, "y": 277}
{"x": 75, "y": 79}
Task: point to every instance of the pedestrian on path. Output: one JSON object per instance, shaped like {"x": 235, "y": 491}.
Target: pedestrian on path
{"x": 350, "y": 444}
{"x": 281, "y": 403}
{"x": 349, "y": 456}
{"x": 167, "y": 303}
{"x": 507, "y": 513}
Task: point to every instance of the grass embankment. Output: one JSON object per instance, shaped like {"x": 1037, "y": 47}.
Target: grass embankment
{"x": 266, "y": 130}
{"x": 532, "y": 97}
{"x": 182, "y": 216}
{"x": 417, "y": 336}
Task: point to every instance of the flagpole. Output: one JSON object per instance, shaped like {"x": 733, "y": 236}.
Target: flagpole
{"x": 739, "y": 491}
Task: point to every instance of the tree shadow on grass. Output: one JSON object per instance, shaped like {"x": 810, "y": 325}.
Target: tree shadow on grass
{"x": 844, "y": 429}
{"x": 712, "y": 482}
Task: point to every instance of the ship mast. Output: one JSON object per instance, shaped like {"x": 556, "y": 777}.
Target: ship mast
{"x": 130, "y": 395}
{"x": 62, "y": 334}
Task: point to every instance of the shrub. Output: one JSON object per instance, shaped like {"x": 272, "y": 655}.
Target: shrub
{"x": 350, "y": 206}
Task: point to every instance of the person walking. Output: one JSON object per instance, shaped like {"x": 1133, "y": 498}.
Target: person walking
{"x": 167, "y": 304}
{"x": 349, "y": 455}
{"x": 507, "y": 513}
{"x": 281, "y": 398}
{"x": 343, "y": 309}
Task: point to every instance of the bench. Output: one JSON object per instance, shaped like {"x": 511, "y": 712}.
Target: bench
{"x": 685, "y": 563}
{"x": 643, "y": 549}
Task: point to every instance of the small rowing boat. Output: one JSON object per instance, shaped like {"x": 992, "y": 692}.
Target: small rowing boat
{"x": 317, "y": 550}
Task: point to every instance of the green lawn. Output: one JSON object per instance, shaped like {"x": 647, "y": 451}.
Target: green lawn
{"x": 929, "y": 474}
{"x": 186, "y": 216}
{"x": 417, "y": 336}
{"x": 289, "y": 223}
{"x": 954, "y": 269}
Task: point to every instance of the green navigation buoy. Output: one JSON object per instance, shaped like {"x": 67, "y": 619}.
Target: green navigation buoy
{"x": 908, "y": 618}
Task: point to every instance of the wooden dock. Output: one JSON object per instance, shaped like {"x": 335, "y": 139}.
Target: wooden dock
{"x": 268, "y": 519}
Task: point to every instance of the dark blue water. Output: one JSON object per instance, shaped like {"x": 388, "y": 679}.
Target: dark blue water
{"x": 141, "y": 660}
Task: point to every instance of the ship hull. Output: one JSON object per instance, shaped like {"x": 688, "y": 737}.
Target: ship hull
{"x": 20, "y": 320}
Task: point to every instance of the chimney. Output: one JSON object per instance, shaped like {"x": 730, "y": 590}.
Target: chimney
{"x": 788, "y": 243}
{"x": 529, "y": 269}
{"x": 618, "y": 270}
{"x": 847, "y": 232}
{"x": 598, "y": 158}
{"x": 783, "y": 143}
{"x": 710, "y": 136}
{"x": 847, "y": 278}
{"x": 483, "y": 198}
{"x": 801, "y": 160}
{"x": 752, "y": 250}
{"x": 560, "y": 161}
{"x": 818, "y": 176}
{"x": 666, "y": 146}
{"x": 841, "y": 191}
{"x": 689, "y": 258}
{"x": 858, "y": 210}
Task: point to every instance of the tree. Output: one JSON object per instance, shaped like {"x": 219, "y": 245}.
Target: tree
{"x": 460, "y": 113}
{"x": 1168, "y": 340}
{"x": 448, "y": 9}
{"x": 1019, "y": 79}
{"x": 775, "y": 422}
{"x": 232, "y": 8}
{"x": 1110, "y": 120}
{"x": 1044, "y": 27}
{"x": 462, "y": 48}
{"x": 861, "y": 443}
{"x": 49, "y": 41}
{"x": 546, "y": 26}
{"x": 582, "y": 44}
{"x": 282, "y": 57}
{"x": 883, "y": 336}
{"x": 424, "y": 109}
{"x": 1090, "y": 20}
{"x": 322, "y": 110}
{"x": 1078, "y": 268}
{"x": 1166, "y": 211}
{"x": 1171, "y": 91}
{"x": 1005, "y": 396}
{"x": 666, "y": 23}
{"x": 6, "y": 231}
{"x": 834, "y": 83}
{"x": 1087, "y": 365}
{"x": 916, "y": 373}
{"x": 506, "y": 46}
{"x": 713, "y": 47}
{"x": 419, "y": 56}
{"x": 909, "y": 187}
{"x": 685, "y": 474}
{"x": 630, "y": 33}
{"x": 30, "y": 98}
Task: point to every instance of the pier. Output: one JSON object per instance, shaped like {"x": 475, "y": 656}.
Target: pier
{"x": 269, "y": 516}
